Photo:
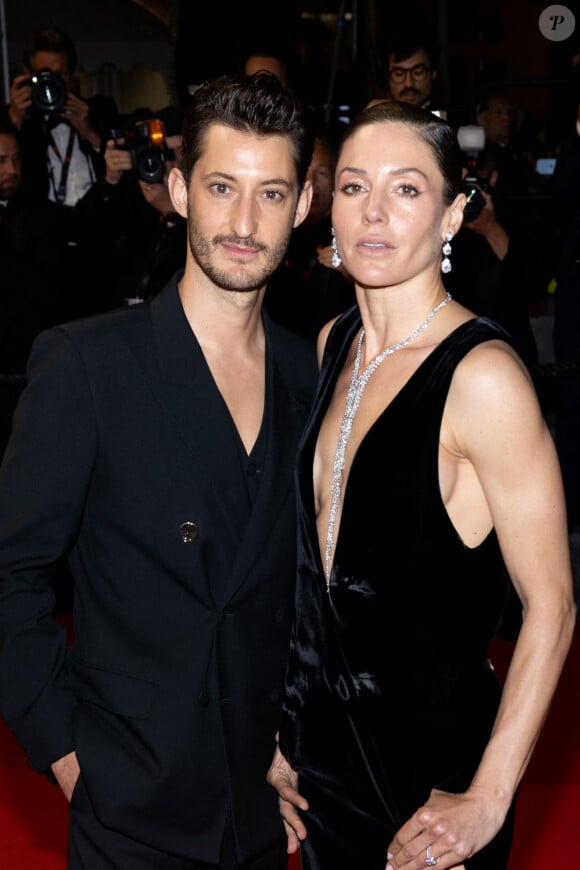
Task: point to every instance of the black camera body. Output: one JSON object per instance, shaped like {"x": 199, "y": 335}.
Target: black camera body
{"x": 148, "y": 146}
{"x": 471, "y": 140}
{"x": 49, "y": 91}
{"x": 473, "y": 188}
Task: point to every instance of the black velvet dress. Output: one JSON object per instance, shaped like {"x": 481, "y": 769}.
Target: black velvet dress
{"x": 389, "y": 689}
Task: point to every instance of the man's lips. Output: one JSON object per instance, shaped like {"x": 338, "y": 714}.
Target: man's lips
{"x": 245, "y": 252}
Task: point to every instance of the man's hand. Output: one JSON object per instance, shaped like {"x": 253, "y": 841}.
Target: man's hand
{"x": 117, "y": 161}
{"x": 284, "y": 780}
{"x": 76, "y": 113}
{"x": 324, "y": 256}
{"x": 487, "y": 225}
{"x": 66, "y": 771}
{"x": 20, "y": 99}
{"x": 157, "y": 195}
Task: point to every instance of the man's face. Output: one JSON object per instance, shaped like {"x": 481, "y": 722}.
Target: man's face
{"x": 55, "y": 61}
{"x": 266, "y": 63}
{"x": 10, "y": 174}
{"x": 411, "y": 80}
{"x": 241, "y": 206}
{"x": 321, "y": 174}
{"x": 497, "y": 120}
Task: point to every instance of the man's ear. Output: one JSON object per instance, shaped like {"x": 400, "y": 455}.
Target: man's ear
{"x": 303, "y": 204}
{"x": 177, "y": 191}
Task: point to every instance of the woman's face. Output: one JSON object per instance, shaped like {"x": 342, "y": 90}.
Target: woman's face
{"x": 388, "y": 210}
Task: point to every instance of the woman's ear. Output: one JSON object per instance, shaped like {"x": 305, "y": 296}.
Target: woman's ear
{"x": 178, "y": 191}
{"x": 454, "y": 215}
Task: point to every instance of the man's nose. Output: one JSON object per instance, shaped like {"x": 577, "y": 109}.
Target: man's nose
{"x": 244, "y": 218}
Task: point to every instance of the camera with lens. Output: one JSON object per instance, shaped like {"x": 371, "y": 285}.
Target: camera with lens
{"x": 471, "y": 140}
{"x": 148, "y": 146}
{"x": 49, "y": 91}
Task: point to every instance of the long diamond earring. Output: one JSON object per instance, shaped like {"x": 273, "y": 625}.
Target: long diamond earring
{"x": 335, "y": 259}
{"x": 446, "y": 249}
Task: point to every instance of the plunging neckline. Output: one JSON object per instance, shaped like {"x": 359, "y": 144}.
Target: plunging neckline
{"x": 327, "y": 398}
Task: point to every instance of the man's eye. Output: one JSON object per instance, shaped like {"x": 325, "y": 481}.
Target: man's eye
{"x": 273, "y": 195}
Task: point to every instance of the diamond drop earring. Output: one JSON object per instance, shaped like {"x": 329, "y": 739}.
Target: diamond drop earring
{"x": 335, "y": 259}
{"x": 446, "y": 249}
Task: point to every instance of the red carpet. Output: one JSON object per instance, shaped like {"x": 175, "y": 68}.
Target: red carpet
{"x": 33, "y": 814}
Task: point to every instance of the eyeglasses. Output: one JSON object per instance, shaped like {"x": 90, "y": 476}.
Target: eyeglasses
{"x": 417, "y": 72}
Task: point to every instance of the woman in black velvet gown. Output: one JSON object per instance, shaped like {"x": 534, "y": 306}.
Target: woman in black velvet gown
{"x": 425, "y": 470}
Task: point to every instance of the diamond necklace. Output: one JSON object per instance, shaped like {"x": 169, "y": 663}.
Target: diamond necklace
{"x": 353, "y": 397}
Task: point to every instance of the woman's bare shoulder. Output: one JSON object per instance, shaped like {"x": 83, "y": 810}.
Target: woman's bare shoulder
{"x": 492, "y": 393}
{"x": 323, "y": 337}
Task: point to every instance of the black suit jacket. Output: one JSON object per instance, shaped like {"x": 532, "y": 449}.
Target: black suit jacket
{"x": 123, "y": 456}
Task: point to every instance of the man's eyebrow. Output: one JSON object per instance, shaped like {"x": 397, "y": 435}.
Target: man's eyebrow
{"x": 225, "y": 176}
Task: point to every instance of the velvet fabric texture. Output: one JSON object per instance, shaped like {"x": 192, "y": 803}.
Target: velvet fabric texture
{"x": 389, "y": 689}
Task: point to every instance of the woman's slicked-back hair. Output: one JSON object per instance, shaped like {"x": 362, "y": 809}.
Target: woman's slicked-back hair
{"x": 432, "y": 130}
{"x": 258, "y": 104}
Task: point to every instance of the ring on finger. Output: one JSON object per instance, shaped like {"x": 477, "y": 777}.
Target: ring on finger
{"x": 430, "y": 860}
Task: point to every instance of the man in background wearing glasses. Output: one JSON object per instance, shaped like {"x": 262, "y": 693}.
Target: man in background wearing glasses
{"x": 412, "y": 68}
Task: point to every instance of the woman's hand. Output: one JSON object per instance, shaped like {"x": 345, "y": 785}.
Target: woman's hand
{"x": 453, "y": 826}
{"x": 284, "y": 780}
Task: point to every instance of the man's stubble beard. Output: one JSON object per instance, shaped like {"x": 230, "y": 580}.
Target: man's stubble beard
{"x": 244, "y": 279}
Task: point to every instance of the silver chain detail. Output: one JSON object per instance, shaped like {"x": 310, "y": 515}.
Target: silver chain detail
{"x": 353, "y": 398}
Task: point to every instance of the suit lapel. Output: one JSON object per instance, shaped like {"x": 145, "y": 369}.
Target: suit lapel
{"x": 285, "y": 417}
{"x": 197, "y": 419}
{"x": 204, "y": 436}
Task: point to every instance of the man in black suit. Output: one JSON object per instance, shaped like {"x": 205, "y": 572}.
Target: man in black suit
{"x": 155, "y": 445}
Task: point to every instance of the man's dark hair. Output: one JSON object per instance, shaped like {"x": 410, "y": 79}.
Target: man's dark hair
{"x": 51, "y": 39}
{"x": 7, "y": 128}
{"x": 433, "y": 131}
{"x": 408, "y": 41}
{"x": 483, "y": 100}
{"x": 258, "y": 104}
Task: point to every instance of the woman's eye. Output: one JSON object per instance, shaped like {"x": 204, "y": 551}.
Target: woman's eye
{"x": 351, "y": 188}
{"x": 408, "y": 190}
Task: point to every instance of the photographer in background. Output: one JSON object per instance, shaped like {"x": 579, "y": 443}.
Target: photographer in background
{"x": 137, "y": 240}
{"x": 61, "y": 135}
{"x": 501, "y": 261}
